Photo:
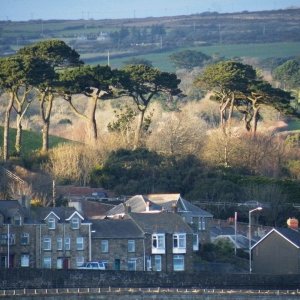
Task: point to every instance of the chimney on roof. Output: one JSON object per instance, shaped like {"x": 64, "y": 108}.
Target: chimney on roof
{"x": 293, "y": 223}
{"x": 127, "y": 209}
{"x": 25, "y": 201}
{"x": 147, "y": 206}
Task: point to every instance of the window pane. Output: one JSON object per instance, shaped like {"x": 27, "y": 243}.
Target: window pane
{"x": 67, "y": 243}
{"x": 51, "y": 223}
{"x": 104, "y": 246}
{"x": 47, "y": 243}
{"x": 47, "y": 262}
{"x": 178, "y": 262}
{"x": 75, "y": 223}
{"x": 157, "y": 263}
{"x": 59, "y": 243}
{"x": 24, "y": 238}
{"x": 25, "y": 260}
{"x": 79, "y": 261}
{"x": 79, "y": 243}
{"x": 131, "y": 246}
{"x": 132, "y": 265}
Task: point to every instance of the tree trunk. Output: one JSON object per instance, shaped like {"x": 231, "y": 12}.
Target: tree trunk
{"x": 45, "y": 136}
{"x": 46, "y": 99}
{"x": 138, "y": 131}
{"x": 18, "y": 141}
{"x": 22, "y": 106}
{"x": 92, "y": 119}
{"x": 255, "y": 120}
{"x": 6, "y": 127}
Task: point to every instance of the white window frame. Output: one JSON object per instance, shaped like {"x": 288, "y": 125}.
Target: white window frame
{"x": 195, "y": 242}
{"x": 17, "y": 220}
{"x": 79, "y": 261}
{"x": 158, "y": 243}
{"x": 176, "y": 259}
{"x": 47, "y": 262}
{"x": 179, "y": 243}
{"x": 51, "y": 223}
{"x": 47, "y": 243}
{"x": 75, "y": 222}
{"x": 104, "y": 246}
{"x": 79, "y": 243}
{"x": 67, "y": 243}
{"x": 131, "y": 246}
{"x": 131, "y": 264}
{"x": 157, "y": 263}
{"x": 59, "y": 243}
{"x": 24, "y": 260}
{"x": 59, "y": 263}
{"x": 202, "y": 223}
{"x": 24, "y": 238}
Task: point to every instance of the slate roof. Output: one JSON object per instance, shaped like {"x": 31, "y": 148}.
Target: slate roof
{"x": 116, "y": 228}
{"x": 9, "y": 208}
{"x": 40, "y": 213}
{"x": 137, "y": 204}
{"x": 160, "y": 202}
{"x": 162, "y": 222}
{"x": 291, "y": 235}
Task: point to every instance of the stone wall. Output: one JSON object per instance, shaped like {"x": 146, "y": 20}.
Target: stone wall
{"x": 43, "y": 278}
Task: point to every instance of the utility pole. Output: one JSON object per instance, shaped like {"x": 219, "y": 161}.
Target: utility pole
{"x": 108, "y": 57}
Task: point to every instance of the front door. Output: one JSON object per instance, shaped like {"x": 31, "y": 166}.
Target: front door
{"x": 66, "y": 263}
{"x": 117, "y": 264}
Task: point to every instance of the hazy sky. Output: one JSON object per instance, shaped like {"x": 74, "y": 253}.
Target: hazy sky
{"x": 17, "y": 10}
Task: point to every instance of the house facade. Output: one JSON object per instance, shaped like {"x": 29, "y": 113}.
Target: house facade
{"x": 278, "y": 252}
{"x": 60, "y": 237}
{"x": 42, "y": 237}
{"x": 199, "y": 220}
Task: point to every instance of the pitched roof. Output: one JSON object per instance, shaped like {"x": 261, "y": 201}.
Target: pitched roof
{"x": 9, "y": 208}
{"x": 40, "y": 213}
{"x": 291, "y": 235}
{"x": 95, "y": 209}
{"x": 162, "y": 222}
{"x": 137, "y": 204}
{"x": 116, "y": 228}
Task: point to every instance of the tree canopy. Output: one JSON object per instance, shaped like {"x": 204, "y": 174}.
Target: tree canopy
{"x": 189, "y": 59}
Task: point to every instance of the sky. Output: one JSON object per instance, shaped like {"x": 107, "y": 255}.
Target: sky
{"x": 22, "y": 10}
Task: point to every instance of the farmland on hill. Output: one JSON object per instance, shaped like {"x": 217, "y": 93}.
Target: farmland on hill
{"x": 228, "y": 35}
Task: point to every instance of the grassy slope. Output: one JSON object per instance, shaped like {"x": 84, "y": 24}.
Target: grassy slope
{"x": 161, "y": 60}
{"x": 32, "y": 141}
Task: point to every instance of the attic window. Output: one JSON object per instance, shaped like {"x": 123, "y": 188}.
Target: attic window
{"x": 51, "y": 223}
{"x": 17, "y": 220}
{"x": 75, "y": 223}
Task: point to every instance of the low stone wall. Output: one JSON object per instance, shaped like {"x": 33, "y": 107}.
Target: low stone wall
{"x": 43, "y": 278}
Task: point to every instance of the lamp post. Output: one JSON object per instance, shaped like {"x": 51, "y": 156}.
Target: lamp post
{"x": 90, "y": 241}
{"x": 250, "y": 212}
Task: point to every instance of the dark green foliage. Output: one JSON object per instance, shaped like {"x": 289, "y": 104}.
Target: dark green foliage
{"x": 138, "y": 61}
{"x": 189, "y": 59}
{"x": 142, "y": 171}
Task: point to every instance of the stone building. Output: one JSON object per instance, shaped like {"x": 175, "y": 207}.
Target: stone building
{"x": 42, "y": 237}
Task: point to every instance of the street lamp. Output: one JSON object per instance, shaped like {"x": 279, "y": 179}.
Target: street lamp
{"x": 250, "y": 212}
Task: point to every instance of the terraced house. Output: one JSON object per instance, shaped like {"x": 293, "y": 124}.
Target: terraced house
{"x": 52, "y": 237}
{"x": 60, "y": 237}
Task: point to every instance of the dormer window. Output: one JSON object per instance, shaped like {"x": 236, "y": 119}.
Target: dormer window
{"x": 51, "y": 223}
{"x": 75, "y": 223}
{"x": 17, "y": 220}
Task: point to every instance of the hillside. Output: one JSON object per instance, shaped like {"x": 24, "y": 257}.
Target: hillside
{"x": 122, "y": 38}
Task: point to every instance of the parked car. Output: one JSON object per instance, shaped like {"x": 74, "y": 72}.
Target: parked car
{"x": 93, "y": 265}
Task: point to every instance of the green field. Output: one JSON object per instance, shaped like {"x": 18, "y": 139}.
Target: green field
{"x": 161, "y": 60}
{"x": 32, "y": 141}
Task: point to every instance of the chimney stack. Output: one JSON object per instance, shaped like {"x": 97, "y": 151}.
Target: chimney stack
{"x": 127, "y": 209}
